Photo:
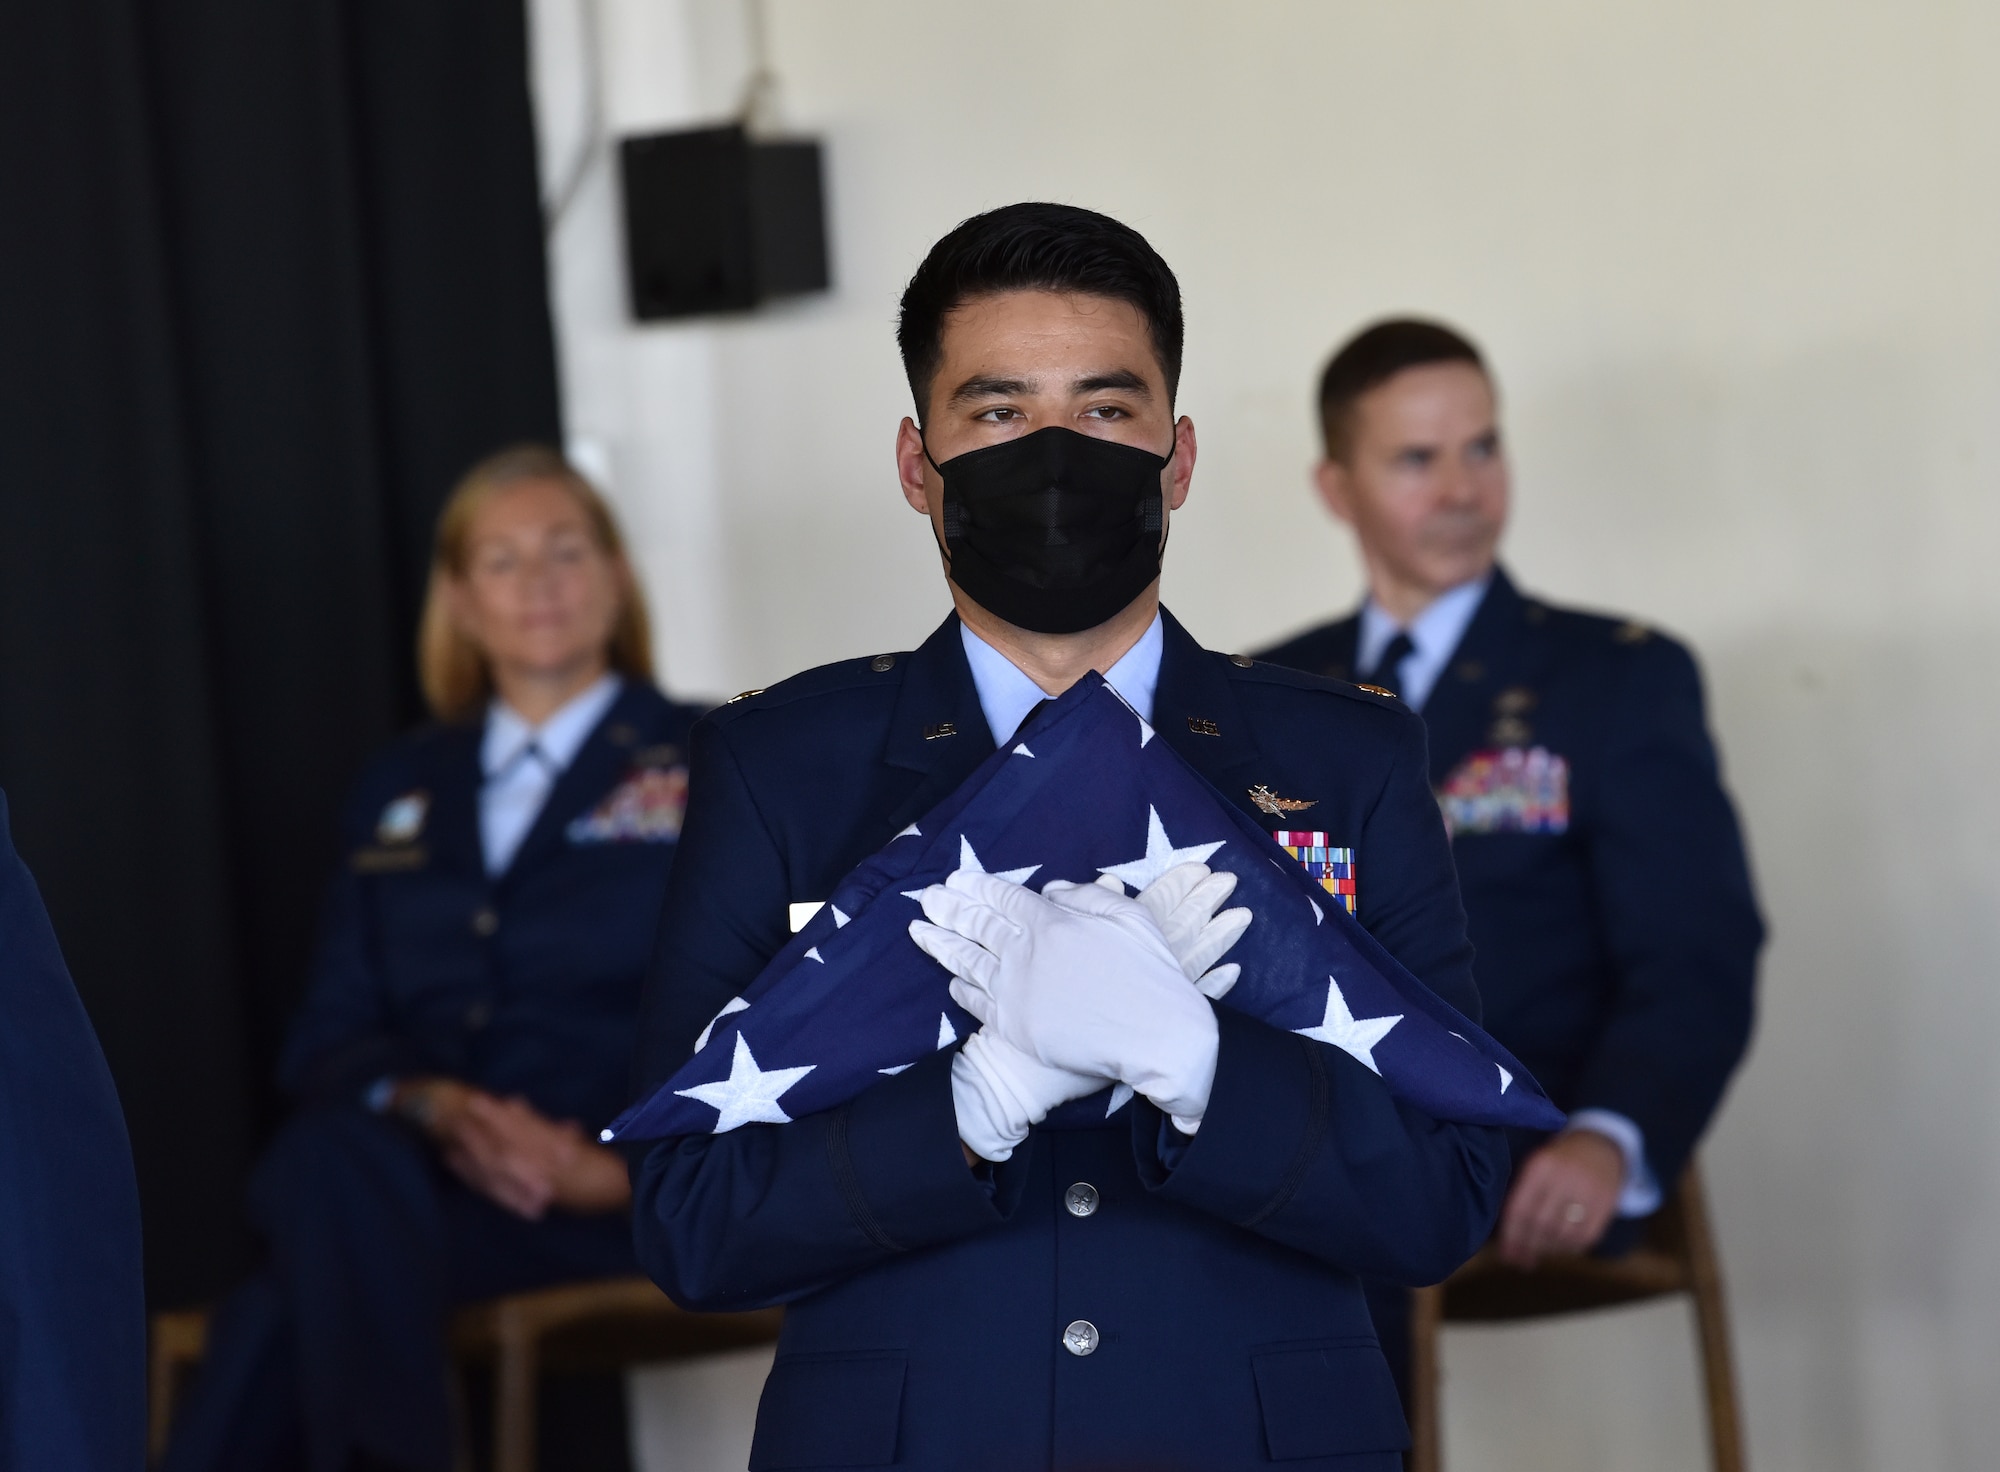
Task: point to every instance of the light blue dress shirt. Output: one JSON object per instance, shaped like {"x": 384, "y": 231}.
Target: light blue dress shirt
{"x": 521, "y": 763}
{"x": 1006, "y": 695}
{"x": 1435, "y": 635}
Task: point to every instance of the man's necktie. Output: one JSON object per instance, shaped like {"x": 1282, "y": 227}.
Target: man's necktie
{"x": 1388, "y": 672}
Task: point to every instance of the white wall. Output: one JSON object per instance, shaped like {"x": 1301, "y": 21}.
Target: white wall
{"x": 1736, "y": 267}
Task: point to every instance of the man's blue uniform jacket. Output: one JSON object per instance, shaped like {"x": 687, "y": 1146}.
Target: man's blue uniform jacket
{"x": 527, "y": 983}
{"x": 72, "y": 1308}
{"x": 1617, "y": 942}
{"x": 928, "y": 1304}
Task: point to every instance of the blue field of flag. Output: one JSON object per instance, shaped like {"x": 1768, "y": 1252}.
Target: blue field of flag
{"x": 1089, "y": 790}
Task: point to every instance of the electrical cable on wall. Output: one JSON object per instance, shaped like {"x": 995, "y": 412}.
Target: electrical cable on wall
{"x": 556, "y": 207}
{"x": 759, "y": 108}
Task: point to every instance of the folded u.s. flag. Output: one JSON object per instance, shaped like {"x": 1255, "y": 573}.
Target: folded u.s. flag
{"x": 1087, "y": 791}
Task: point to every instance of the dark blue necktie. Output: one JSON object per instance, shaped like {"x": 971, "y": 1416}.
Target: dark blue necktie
{"x": 1388, "y": 672}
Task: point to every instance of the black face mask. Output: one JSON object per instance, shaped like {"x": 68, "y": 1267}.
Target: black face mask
{"x": 1056, "y": 531}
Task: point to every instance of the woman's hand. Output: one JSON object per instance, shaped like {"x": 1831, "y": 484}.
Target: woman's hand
{"x": 508, "y": 1151}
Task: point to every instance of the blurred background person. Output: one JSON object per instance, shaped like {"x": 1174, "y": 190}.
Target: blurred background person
{"x": 1603, "y": 871}
{"x": 468, "y": 1026}
{"x": 72, "y": 1306}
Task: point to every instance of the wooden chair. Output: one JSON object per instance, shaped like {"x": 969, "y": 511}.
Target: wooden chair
{"x": 1677, "y": 1255}
{"x": 609, "y": 1324}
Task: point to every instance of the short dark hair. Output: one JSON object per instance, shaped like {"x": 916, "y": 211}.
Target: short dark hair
{"x": 1036, "y": 247}
{"x": 1371, "y": 358}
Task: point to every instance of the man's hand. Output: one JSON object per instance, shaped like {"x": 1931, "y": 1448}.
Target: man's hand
{"x": 1563, "y": 1198}
{"x": 1183, "y": 903}
{"x": 1081, "y": 982}
{"x": 508, "y": 1151}
{"x": 999, "y": 1093}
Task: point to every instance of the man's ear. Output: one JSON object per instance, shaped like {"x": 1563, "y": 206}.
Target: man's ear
{"x": 1180, "y": 474}
{"x": 1336, "y": 488}
{"x": 913, "y": 466}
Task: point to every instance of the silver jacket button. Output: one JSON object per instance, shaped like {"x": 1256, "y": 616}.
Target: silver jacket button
{"x": 1080, "y": 1338}
{"x": 485, "y": 920}
{"x": 1081, "y": 1199}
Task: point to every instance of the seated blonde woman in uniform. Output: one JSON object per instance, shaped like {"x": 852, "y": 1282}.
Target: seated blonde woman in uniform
{"x": 468, "y": 1025}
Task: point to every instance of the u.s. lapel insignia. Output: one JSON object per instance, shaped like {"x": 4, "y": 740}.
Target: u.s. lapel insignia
{"x": 1203, "y": 726}
{"x": 1332, "y": 867}
{"x": 1269, "y": 801}
{"x": 403, "y": 818}
{"x": 941, "y": 730}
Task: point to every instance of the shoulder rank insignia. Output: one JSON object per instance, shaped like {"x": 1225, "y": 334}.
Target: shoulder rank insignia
{"x": 1377, "y": 690}
{"x": 1332, "y": 867}
{"x": 1632, "y": 632}
{"x": 1269, "y": 801}
{"x": 403, "y": 818}
{"x": 745, "y": 695}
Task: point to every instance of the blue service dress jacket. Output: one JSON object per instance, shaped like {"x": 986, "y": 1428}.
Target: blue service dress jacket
{"x": 929, "y": 1302}
{"x": 523, "y": 983}
{"x": 1603, "y": 869}
{"x": 72, "y": 1305}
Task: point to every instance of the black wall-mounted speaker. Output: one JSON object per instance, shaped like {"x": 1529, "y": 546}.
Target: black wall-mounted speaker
{"x": 718, "y": 221}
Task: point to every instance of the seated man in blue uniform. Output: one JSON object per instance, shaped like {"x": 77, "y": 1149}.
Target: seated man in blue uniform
{"x": 73, "y": 1372}
{"x": 1604, "y": 875}
{"x": 1177, "y": 1287}
{"x": 469, "y": 1026}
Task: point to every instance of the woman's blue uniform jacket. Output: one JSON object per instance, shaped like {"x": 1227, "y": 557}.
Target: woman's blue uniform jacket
{"x": 527, "y": 983}
{"x": 928, "y": 1306}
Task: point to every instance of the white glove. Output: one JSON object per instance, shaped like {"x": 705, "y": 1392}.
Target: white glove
{"x": 999, "y": 1093}
{"x": 1082, "y": 981}
{"x": 1183, "y": 902}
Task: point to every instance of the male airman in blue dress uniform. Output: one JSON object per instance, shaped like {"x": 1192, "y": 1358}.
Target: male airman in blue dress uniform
{"x": 1605, "y": 881}
{"x": 72, "y": 1307}
{"x": 488, "y": 936}
{"x": 1177, "y": 1287}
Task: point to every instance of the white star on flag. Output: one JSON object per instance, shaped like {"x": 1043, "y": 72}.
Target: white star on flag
{"x": 734, "y": 1004}
{"x": 968, "y": 863}
{"x": 750, "y": 1094}
{"x": 946, "y": 1037}
{"x": 1356, "y": 1037}
{"x": 1161, "y": 855}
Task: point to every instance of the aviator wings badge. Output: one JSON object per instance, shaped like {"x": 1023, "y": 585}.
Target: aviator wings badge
{"x": 1277, "y": 806}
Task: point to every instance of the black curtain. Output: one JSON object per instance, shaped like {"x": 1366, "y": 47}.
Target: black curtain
{"x": 271, "y": 277}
